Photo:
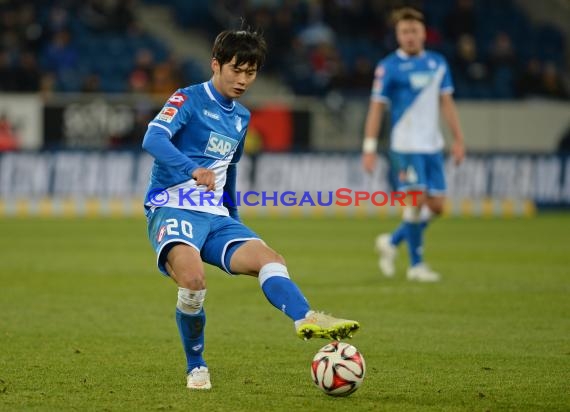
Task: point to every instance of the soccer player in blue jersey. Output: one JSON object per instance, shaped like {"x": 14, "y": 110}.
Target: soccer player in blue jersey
{"x": 197, "y": 139}
{"x": 416, "y": 84}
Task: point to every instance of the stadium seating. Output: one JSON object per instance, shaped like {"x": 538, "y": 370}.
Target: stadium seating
{"x": 104, "y": 45}
{"x": 364, "y": 32}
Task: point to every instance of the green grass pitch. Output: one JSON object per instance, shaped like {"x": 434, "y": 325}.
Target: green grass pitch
{"x": 87, "y": 323}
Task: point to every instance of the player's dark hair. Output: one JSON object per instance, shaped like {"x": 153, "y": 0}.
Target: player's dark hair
{"x": 407, "y": 13}
{"x": 246, "y": 45}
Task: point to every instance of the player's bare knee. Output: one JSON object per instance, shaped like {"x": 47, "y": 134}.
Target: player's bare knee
{"x": 192, "y": 282}
{"x": 271, "y": 256}
{"x": 436, "y": 209}
{"x": 436, "y": 206}
{"x": 277, "y": 258}
{"x": 193, "y": 279}
{"x": 411, "y": 214}
{"x": 268, "y": 259}
{"x": 266, "y": 255}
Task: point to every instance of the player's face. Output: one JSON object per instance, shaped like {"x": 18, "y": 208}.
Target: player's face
{"x": 232, "y": 81}
{"x": 411, "y": 35}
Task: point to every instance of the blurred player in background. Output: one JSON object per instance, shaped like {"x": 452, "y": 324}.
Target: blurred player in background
{"x": 416, "y": 83}
{"x": 197, "y": 139}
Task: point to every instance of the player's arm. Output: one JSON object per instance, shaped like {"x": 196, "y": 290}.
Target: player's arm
{"x": 449, "y": 111}
{"x": 371, "y": 131}
{"x": 379, "y": 98}
{"x": 230, "y": 195}
{"x": 157, "y": 141}
{"x": 230, "y": 198}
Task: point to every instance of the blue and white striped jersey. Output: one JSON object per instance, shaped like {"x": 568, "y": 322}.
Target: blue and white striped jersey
{"x": 412, "y": 86}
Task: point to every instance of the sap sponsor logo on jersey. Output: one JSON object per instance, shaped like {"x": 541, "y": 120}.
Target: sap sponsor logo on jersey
{"x": 419, "y": 80}
{"x": 220, "y": 146}
{"x": 167, "y": 114}
{"x": 211, "y": 115}
{"x": 177, "y": 99}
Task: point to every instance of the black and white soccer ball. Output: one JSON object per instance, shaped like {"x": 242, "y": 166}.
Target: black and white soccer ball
{"x": 338, "y": 369}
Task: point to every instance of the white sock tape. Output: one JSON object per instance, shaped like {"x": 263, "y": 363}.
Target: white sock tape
{"x": 190, "y": 301}
{"x": 411, "y": 214}
{"x": 272, "y": 269}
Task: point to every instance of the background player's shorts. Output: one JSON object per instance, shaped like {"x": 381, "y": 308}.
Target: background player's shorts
{"x": 215, "y": 237}
{"x": 422, "y": 171}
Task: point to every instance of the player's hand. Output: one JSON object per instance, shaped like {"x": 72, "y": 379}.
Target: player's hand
{"x": 458, "y": 152}
{"x": 205, "y": 177}
{"x": 369, "y": 162}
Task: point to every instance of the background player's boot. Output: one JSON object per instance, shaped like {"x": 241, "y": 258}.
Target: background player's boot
{"x": 422, "y": 273}
{"x": 319, "y": 325}
{"x": 198, "y": 378}
{"x": 388, "y": 253}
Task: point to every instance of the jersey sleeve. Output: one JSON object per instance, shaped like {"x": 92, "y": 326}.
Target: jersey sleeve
{"x": 446, "y": 86}
{"x": 174, "y": 114}
{"x": 230, "y": 197}
{"x": 381, "y": 84}
{"x": 157, "y": 139}
{"x": 239, "y": 151}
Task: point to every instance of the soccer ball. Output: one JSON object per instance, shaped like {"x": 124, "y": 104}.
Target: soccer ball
{"x": 338, "y": 369}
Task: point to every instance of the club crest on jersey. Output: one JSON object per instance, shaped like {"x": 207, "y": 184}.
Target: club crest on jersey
{"x": 220, "y": 146}
{"x": 238, "y": 123}
{"x": 167, "y": 114}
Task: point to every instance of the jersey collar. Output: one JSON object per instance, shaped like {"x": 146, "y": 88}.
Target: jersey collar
{"x": 405, "y": 56}
{"x": 226, "y": 104}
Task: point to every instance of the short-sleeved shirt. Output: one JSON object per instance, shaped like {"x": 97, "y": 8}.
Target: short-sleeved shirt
{"x": 412, "y": 85}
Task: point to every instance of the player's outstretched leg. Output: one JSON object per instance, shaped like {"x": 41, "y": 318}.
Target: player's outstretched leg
{"x": 191, "y": 320}
{"x": 282, "y": 293}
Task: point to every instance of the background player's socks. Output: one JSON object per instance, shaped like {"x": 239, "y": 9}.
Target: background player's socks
{"x": 414, "y": 238}
{"x": 399, "y": 234}
{"x": 281, "y": 292}
{"x": 425, "y": 216}
{"x": 191, "y": 328}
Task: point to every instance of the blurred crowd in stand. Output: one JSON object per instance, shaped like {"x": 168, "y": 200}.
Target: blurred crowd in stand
{"x": 316, "y": 46}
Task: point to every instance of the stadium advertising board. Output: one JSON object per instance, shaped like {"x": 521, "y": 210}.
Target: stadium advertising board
{"x": 20, "y": 122}
{"x": 122, "y": 176}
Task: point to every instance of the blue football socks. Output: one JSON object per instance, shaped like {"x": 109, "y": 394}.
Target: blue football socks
{"x": 414, "y": 237}
{"x": 399, "y": 234}
{"x": 281, "y": 292}
{"x": 191, "y": 328}
{"x": 286, "y": 296}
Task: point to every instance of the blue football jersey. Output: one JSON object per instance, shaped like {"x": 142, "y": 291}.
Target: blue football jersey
{"x": 206, "y": 131}
{"x": 412, "y": 85}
